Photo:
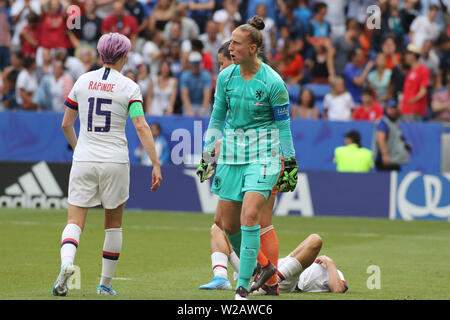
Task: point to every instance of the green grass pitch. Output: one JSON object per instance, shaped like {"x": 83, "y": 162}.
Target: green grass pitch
{"x": 166, "y": 255}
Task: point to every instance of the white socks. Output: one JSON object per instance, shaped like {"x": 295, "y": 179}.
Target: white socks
{"x": 111, "y": 252}
{"x": 234, "y": 261}
{"x": 69, "y": 243}
{"x": 219, "y": 263}
{"x": 291, "y": 267}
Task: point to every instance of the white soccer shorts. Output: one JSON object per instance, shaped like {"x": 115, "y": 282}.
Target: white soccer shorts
{"x": 95, "y": 183}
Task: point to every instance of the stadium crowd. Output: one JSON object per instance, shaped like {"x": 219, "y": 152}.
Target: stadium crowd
{"x": 341, "y": 60}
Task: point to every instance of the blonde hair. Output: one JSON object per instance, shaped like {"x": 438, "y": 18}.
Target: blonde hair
{"x": 252, "y": 30}
{"x": 92, "y": 53}
{"x": 333, "y": 83}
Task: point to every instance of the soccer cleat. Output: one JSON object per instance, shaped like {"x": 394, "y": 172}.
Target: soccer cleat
{"x": 60, "y": 287}
{"x": 266, "y": 290}
{"x": 241, "y": 294}
{"x": 217, "y": 283}
{"x": 104, "y": 290}
{"x": 264, "y": 275}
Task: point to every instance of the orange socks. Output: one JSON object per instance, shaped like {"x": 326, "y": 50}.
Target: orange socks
{"x": 269, "y": 250}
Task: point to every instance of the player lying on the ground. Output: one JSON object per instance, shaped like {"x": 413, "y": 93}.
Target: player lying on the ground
{"x": 300, "y": 271}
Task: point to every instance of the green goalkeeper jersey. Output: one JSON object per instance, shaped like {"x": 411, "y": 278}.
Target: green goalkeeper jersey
{"x": 255, "y": 114}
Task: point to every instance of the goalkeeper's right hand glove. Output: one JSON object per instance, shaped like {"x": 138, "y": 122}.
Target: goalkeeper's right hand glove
{"x": 207, "y": 166}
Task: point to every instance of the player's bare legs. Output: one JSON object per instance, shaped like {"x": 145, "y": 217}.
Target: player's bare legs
{"x": 301, "y": 257}
{"x": 307, "y": 251}
{"x": 230, "y": 221}
{"x": 111, "y": 248}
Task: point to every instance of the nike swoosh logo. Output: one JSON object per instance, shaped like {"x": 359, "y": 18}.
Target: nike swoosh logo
{"x": 228, "y": 90}
{"x": 260, "y": 181}
{"x": 247, "y": 248}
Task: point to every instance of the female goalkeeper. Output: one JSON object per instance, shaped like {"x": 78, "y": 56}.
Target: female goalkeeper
{"x": 252, "y": 102}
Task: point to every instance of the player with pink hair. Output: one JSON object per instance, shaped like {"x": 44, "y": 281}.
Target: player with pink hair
{"x": 100, "y": 173}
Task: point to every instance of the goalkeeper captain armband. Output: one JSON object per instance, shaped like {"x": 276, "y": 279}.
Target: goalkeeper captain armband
{"x": 207, "y": 166}
{"x": 288, "y": 180}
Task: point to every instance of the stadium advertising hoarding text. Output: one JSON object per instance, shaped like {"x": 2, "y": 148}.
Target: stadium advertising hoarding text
{"x": 408, "y": 196}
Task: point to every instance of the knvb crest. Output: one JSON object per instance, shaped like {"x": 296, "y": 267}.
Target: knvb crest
{"x": 259, "y": 94}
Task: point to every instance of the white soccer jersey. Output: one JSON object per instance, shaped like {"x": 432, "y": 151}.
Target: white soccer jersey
{"x": 315, "y": 279}
{"x": 102, "y": 98}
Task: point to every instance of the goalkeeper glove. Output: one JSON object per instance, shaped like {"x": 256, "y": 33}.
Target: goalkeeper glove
{"x": 207, "y": 166}
{"x": 288, "y": 179}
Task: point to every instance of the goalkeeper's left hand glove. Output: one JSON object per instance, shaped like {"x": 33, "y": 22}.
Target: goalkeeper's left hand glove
{"x": 207, "y": 166}
{"x": 288, "y": 180}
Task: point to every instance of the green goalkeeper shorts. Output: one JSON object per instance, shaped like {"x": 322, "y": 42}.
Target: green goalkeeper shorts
{"x": 232, "y": 181}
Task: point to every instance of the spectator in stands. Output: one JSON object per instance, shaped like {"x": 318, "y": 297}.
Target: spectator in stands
{"x": 162, "y": 92}
{"x": 5, "y": 35}
{"x": 161, "y": 146}
{"x": 344, "y": 45}
{"x": 201, "y": 11}
{"x": 269, "y": 31}
{"x": 293, "y": 62}
{"x": 162, "y": 14}
{"x": 152, "y": 51}
{"x": 307, "y": 108}
{"x": 411, "y": 14}
{"x": 121, "y": 22}
{"x": 72, "y": 64}
{"x": 26, "y": 85}
{"x": 30, "y": 35}
{"x": 175, "y": 35}
{"x": 45, "y": 67}
{"x": 444, "y": 60}
{"x": 88, "y": 57}
{"x": 353, "y": 157}
{"x": 189, "y": 29}
{"x": 338, "y": 104}
{"x": 90, "y": 27}
{"x": 53, "y": 89}
{"x": 389, "y": 148}
{"x": 54, "y": 26}
{"x": 399, "y": 72}
{"x": 380, "y": 78}
{"x": 174, "y": 58}
{"x": 415, "y": 89}
{"x": 212, "y": 40}
{"x": 9, "y": 79}
{"x": 424, "y": 27}
{"x": 358, "y": 10}
{"x": 430, "y": 60}
{"x": 319, "y": 65}
{"x": 389, "y": 49}
{"x": 195, "y": 87}
{"x": 355, "y": 74}
{"x": 336, "y": 17}
{"x": 224, "y": 17}
{"x": 370, "y": 110}
{"x": 303, "y": 12}
{"x": 319, "y": 30}
{"x": 139, "y": 11}
{"x": 393, "y": 22}
{"x": 19, "y": 13}
{"x": 207, "y": 60}
{"x": 440, "y": 103}
{"x": 297, "y": 31}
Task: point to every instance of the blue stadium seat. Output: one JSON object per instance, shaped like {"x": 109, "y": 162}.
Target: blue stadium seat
{"x": 319, "y": 90}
